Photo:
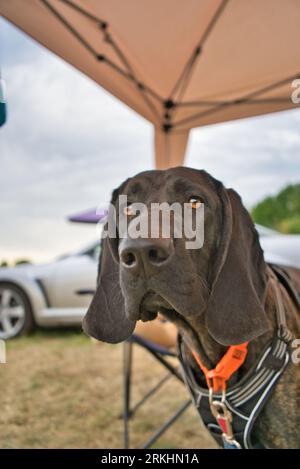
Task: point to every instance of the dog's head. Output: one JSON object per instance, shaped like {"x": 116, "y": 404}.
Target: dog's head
{"x": 220, "y": 286}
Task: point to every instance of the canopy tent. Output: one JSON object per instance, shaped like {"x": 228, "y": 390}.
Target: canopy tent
{"x": 179, "y": 64}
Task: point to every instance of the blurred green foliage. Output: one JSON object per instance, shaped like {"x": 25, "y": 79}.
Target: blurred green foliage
{"x": 281, "y": 212}
{"x": 22, "y": 261}
{"x": 5, "y": 263}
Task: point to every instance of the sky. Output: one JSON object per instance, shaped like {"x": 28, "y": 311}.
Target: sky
{"x": 68, "y": 143}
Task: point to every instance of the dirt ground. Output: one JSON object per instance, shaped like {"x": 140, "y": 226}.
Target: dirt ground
{"x": 59, "y": 390}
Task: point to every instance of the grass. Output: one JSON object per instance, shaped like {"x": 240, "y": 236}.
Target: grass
{"x": 59, "y": 390}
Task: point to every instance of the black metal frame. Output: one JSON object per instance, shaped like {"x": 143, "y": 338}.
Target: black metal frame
{"x": 164, "y": 108}
{"x": 159, "y": 353}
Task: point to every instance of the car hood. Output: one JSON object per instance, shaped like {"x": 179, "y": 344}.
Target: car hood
{"x": 28, "y": 270}
{"x": 40, "y": 270}
{"x": 282, "y": 249}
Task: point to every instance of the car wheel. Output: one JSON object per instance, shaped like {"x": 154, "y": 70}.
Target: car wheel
{"x": 15, "y": 312}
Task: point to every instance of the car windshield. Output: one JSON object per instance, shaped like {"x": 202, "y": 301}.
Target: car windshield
{"x": 264, "y": 231}
{"x": 92, "y": 250}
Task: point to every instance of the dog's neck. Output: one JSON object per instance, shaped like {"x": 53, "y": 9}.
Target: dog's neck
{"x": 210, "y": 351}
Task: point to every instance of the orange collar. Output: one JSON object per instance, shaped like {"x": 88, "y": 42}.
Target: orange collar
{"x": 233, "y": 359}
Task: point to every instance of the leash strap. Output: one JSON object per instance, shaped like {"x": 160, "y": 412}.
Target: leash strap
{"x": 283, "y": 332}
{"x": 243, "y": 402}
{"x": 216, "y": 380}
{"x": 218, "y": 377}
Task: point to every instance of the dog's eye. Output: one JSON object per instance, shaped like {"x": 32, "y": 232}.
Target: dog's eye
{"x": 128, "y": 210}
{"x": 195, "y": 201}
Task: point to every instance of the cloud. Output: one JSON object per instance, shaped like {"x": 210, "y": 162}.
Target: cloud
{"x": 68, "y": 143}
{"x": 257, "y": 156}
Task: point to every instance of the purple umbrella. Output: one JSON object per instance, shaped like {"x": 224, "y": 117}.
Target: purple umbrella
{"x": 93, "y": 215}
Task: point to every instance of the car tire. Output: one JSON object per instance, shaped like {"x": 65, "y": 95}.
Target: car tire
{"x": 16, "y": 317}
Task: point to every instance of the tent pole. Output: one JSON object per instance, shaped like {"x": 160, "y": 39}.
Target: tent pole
{"x": 170, "y": 148}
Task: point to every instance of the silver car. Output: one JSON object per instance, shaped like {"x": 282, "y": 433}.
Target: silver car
{"x": 47, "y": 295}
{"x": 58, "y": 293}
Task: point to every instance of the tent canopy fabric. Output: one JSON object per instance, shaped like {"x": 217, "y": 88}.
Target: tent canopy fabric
{"x": 178, "y": 64}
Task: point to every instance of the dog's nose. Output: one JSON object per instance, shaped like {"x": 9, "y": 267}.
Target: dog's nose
{"x": 147, "y": 253}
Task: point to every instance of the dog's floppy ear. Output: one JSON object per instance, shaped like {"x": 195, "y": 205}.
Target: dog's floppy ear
{"x": 105, "y": 319}
{"x": 236, "y": 307}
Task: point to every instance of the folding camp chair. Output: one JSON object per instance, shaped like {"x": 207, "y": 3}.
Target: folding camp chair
{"x": 160, "y": 354}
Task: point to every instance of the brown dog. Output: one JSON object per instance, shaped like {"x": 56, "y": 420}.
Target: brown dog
{"x": 218, "y": 295}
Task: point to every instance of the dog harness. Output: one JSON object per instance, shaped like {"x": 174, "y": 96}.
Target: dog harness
{"x": 229, "y": 413}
